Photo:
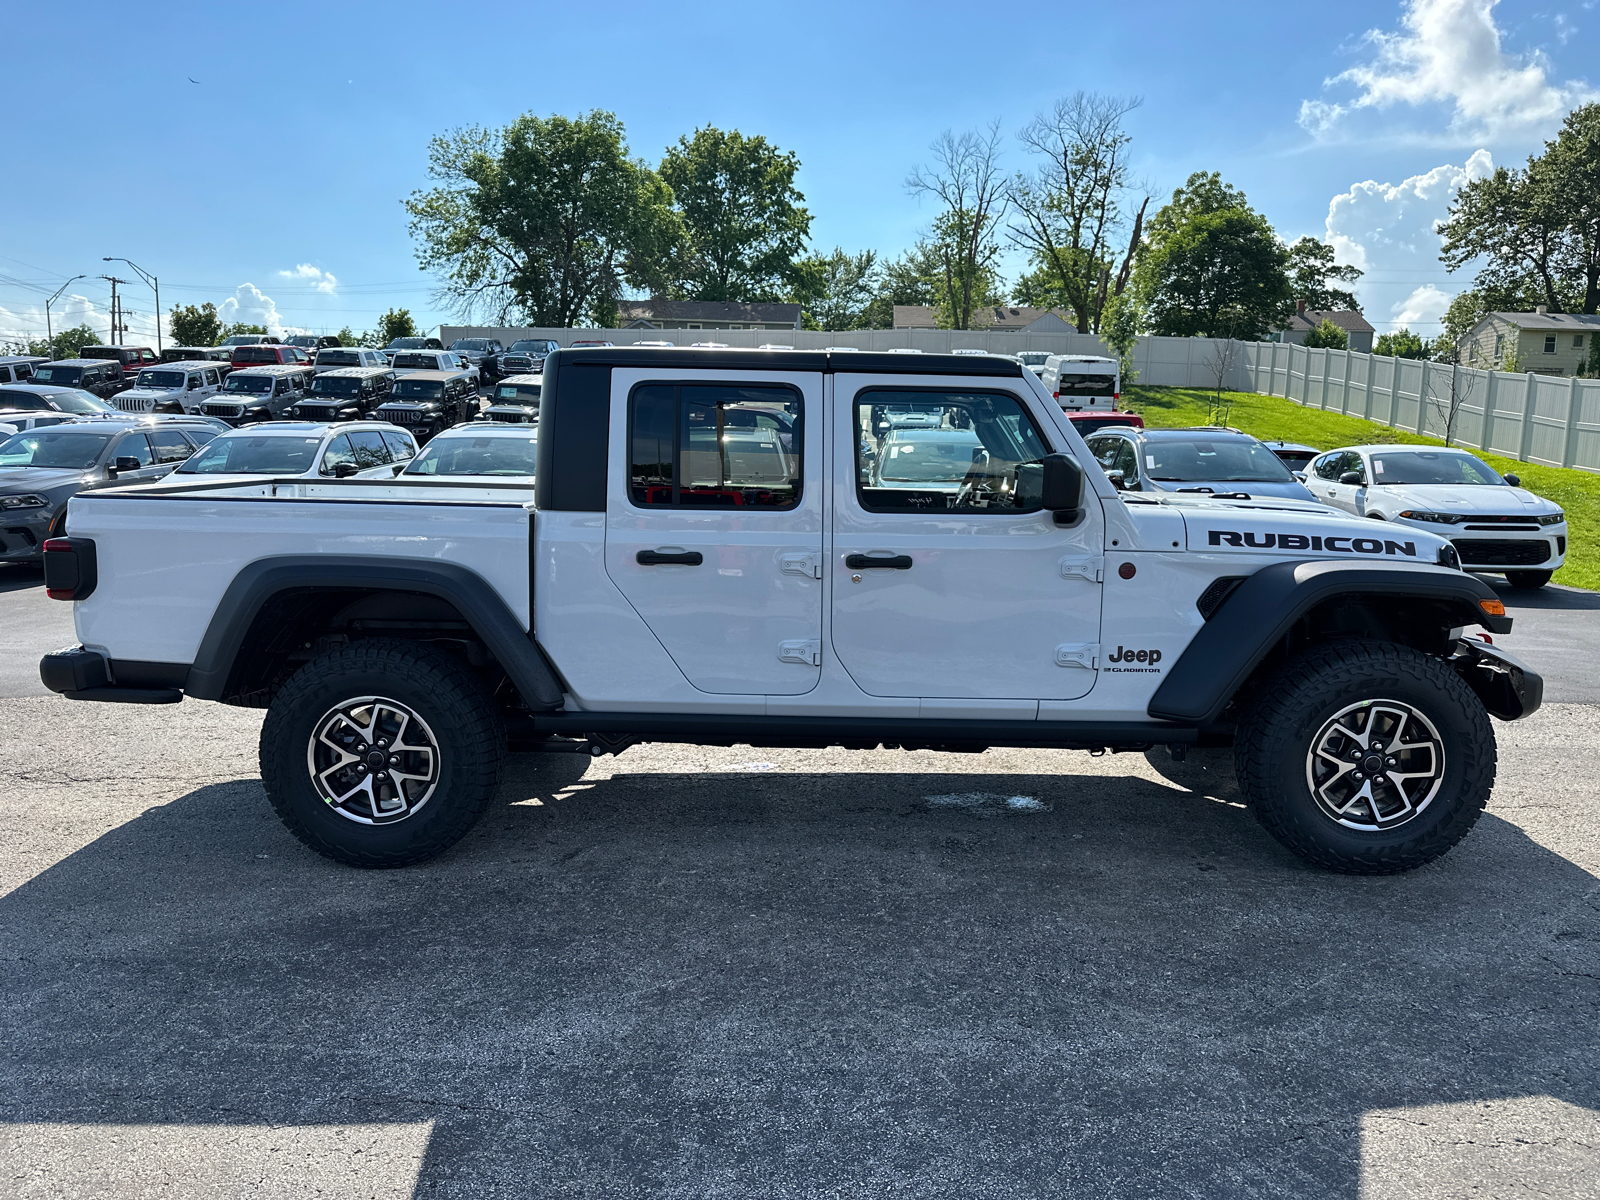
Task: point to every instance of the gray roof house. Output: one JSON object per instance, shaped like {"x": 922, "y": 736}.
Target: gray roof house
{"x": 995, "y": 318}
{"x": 1543, "y": 342}
{"x": 706, "y": 314}
{"x": 1357, "y": 330}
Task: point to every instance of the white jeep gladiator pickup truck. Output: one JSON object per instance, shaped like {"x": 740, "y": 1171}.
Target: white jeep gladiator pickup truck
{"x": 794, "y": 549}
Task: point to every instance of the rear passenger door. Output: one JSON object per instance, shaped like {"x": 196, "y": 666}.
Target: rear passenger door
{"x": 714, "y": 522}
{"x": 170, "y": 447}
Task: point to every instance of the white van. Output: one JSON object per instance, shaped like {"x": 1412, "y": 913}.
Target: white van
{"x": 338, "y": 358}
{"x": 18, "y": 368}
{"x": 1082, "y": 382}
{"x": 175, "y": 386}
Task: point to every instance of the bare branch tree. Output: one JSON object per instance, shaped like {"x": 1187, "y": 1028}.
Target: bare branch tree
{"x": 1071, "y": 210}
{"x": 1218, "y": 365}
{"x": 965, "y": 178}
{"x": 1448, "y": 402}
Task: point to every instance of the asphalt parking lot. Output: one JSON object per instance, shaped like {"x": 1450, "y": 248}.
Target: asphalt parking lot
{"x": 730, "y": 973}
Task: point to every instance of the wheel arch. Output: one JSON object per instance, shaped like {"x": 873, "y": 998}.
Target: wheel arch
{"x": 274, "y": 602}
{"x": 1286, "y": 605}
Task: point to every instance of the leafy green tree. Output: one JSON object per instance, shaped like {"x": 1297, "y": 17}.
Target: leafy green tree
{"x": 1119, "y": 328}
{"x": 1465, "y": 311}
{"x": 395, "y": 323}
{"x": 545, "y": 220}
{"x": 1040, "y": 288}
{"x": 1402, "y": 343}
{"x": 910, "y": 279}
{"x": 66, "y": 344}
{"x": 965, "y": 179}
{"x": 743, "y": 222}
{"x": 1213, "y": 267}
{"x": 193, "y": 326}
{"x": 1327, "y": 336}
{"x": 237, "y": 328}
{"x": 1311, "y": 266}
{"x": 836, "y": 290}
{"x": 1071, "y": 213}
{"x": 349, "y": 337}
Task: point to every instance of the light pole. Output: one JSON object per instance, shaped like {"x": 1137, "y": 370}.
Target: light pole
{"x": 154, "y": 283}
{"x": 49, "y": 335}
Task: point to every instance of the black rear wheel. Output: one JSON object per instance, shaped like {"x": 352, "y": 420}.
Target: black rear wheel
{"x": 382, "y": 753}
{"x": 1367, "y": 758}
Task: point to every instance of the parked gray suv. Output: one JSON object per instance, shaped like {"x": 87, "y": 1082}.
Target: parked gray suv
{"x": 41, "y": 469}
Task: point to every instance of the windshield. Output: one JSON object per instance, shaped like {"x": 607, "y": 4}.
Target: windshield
{"x": 425, "y": 389}
{"x": 470, "y": 344}
{"x": 1213, "y": 462}
{"x": 337, "y": 386}
{"x": 73, "y": 451}
{"x": 67, "y": 376}
{"x": 1033, "y": 358}
{"x": 517, "y": 393}
{"x": 248, "y": 383}
{"x": 533, "y": 347}
{"x": 342, "y": 358}
{"x": 1417, "y": 466}
{"x": 1086, "y": 385}
{"x": 300, "y": 340}
{"x": 230, "y": 455}
{"x": 410, "y": 343}
{"x": 928, "y": 460}
{"x": 162, "y": 379}
{"x": 242, "y": 339}
{"x": 475, "y": 456}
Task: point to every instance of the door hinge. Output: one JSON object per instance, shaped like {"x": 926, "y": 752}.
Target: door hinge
{"x": 807, "y": 654}
{"x": 1092, "y": 569}
{"x": 1079, "y": 654}
{"x": 808, "y": 565}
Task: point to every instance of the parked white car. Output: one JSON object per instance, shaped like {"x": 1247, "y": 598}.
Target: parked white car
{"x": 482, "y": 452}
{"x": 434, "y": 360}
{"x": 336, "y": 358}
{"x": 294, "y": 449}
{"x": 1034, "y": 360}
{"x": 1495, "y": 524}
{"x": 187, "y": 385}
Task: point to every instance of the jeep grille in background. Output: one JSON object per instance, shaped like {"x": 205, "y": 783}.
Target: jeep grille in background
{"x": 1484, "y": 552}
{"x": 214, "y": 409}
{"x": 1219, "y": 590}
{"x": 401, "y": 416}
{"x": 134, "y": 404}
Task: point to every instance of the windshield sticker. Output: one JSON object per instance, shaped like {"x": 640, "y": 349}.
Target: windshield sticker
{"x": 1300, "y": 541}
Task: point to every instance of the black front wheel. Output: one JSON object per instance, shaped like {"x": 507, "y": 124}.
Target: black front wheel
{"x": 1367, "y": 758}
{"x": 1528, "y": 579}
{"x": 382, "y": 753}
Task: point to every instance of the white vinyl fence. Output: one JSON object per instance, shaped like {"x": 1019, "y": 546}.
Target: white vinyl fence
{"x": 1535, "y": 418}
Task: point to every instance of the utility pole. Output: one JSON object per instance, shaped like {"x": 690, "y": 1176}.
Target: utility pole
{"x": 116, "y": 307}
{"x": 155, "y": 285}
{"x": 49, "y": 335}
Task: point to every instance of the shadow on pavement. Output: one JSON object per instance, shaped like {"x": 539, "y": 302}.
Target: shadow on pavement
{"x": 768, "y": 983}
{"x": 1551, "y": 596}
{"x": 14, "y": 577}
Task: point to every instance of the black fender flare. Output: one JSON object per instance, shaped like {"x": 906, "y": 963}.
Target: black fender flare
{"x": 1263, "y": 608}
{"x": 471, "y": 594}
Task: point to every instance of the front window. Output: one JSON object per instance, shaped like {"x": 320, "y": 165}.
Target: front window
{"x": 245, "y": 455}
{"x": 65, "y": 376}
{"x": 1421, "y": 466}
{"x": 1085, "y": 385}
{"x": 475, "y": 456}
{"x": 947, "y": 451}
{"x": 71, "y": 451}
{"x": 253, "y": 385}
{"x": 537, "y": 346}
{"x": 335, "y": 385}
{"x": 24, "y": 402}
{"x": 1205, "y": 461}
{"x": 418, "y": 389}
{"x": 517, "y": 393}
{"x": 473, "y": 344}
{"x": 1033, "y": 358}
{"x": 163, "y": 380}
{"x": 80, "y": 403}
{"x": 713, "y": 446}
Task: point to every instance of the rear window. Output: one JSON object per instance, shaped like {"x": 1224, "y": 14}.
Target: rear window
{"x": 475, "y": 456}
{"x": 1078, "y": 384}
{"x": 246, "y": 455}
{"x": 255, "y": 354}
{"x": 1094, "y": 425}
{"x": 339, "y": 358}
{"x": 416, "y": 362}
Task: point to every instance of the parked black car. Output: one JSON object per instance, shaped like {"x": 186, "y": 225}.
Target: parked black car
{"x": 44, "y": 397}
{"x": 427, "y": 401}
{"x": 526, "y": 356}
{"x": 311, "y": 342}
{"x": 483, "y": 353}
{"x": 344, "y": 394}
{"x": 223, "y": 358}
{"x": 515, "y": 400}
{"x": 101, "y": 376}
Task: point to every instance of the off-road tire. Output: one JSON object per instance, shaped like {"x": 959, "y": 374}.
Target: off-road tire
{"x": 1289, "y": 711}
{"x": 1528, "y": 579}
{"x": 458, "y": 710}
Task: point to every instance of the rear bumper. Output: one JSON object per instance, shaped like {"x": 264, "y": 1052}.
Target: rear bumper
{"x": 80, "y": 674}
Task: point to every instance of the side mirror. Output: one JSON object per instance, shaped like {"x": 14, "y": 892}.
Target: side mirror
{"x": 1300, "y": 475}
{"x": 1352, "y": 479}
{"x": 1117, "y": 479}
{"x": 1513, "y": 480}
{"x": 1062, "y": 492}
{"x": 127, "y": 462}
{"x": 344, "y": 470}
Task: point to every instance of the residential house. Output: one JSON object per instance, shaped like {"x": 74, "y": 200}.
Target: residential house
{"x": 706, "y": 314}
{"x": 1543, "y": 342}
{"x": 989, "y": 318}
{"x": 1357, "y": 331}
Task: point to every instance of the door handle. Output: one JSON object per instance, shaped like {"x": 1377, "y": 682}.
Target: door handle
{"x": 897, "y": 562}
{"x": 661, "y": 558}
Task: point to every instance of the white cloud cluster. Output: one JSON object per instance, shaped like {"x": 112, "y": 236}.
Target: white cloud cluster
{"x": 72, "y": 310}
{"x": 251, "y": 306}
{"x": 321, "y": 281}
{"x": 1390, "y": 231}
{"x": 1449, "y": 52}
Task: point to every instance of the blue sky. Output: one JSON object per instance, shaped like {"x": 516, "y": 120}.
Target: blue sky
{"x": 272, "y": 185}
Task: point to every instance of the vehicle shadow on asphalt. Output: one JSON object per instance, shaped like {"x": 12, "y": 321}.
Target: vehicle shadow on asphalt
{"x": 14, "y": 577}
{"x": 1548, "y": 597}
{"x": 773, "y": 982}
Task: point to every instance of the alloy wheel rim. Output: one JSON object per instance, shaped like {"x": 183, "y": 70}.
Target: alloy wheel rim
{"x": 373, "y": 760}
{"x": 1375, "y": 765}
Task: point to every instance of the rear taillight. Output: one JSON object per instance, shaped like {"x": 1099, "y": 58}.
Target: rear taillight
{"x": 1055, "y": 395}
{"x": 1116, "y": 395}
{"x": 69, "y": 568}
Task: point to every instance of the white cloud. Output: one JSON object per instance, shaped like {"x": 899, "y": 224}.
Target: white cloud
{"x": 249, "y": 305}
{"x": 321, "y": 281}
{"x": 1390, "y": 231}
{"x": 72, "y": 310}
{"x": 1449, "y": 52}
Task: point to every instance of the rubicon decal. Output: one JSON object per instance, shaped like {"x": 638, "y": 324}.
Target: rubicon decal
{"x": 1300, "y": 541}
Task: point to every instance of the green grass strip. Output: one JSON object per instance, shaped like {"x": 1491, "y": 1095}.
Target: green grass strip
{"x": 1272, "y": 419}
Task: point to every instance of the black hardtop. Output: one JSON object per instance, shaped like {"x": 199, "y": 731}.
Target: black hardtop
{"x": 790, "y": 360}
